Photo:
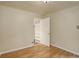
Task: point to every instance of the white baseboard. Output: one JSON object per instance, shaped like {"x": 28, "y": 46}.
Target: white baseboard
{"x": 12, "y": 50}
{"x": 65, "y": 49}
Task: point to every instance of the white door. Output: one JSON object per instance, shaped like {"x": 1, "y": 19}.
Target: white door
{"x": 45, "y": 31}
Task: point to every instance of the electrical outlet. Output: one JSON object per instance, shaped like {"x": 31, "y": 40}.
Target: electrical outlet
{"x": 78, "y": 27}
{"x": 32, "y": 42}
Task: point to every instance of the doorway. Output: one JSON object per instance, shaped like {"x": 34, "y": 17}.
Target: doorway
{"x": 42, "y": 31}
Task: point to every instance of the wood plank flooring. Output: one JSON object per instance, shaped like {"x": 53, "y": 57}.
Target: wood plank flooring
{"x": 40, "y": 51}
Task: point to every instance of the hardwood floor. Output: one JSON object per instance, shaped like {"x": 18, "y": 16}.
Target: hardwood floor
{"x": 40, "y": 51}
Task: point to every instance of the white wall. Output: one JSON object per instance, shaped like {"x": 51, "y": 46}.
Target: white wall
{"x": 63, "y": 29}
{"x": 16, "y": 28}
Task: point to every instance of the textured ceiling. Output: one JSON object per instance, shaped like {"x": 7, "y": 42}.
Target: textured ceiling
{"x": 40, "y": 7}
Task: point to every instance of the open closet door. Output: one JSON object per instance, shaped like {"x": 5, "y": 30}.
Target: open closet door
{"x": 45, "y": 31}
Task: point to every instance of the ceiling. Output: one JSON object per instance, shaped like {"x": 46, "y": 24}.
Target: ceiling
{"x": 40, "y": 7}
